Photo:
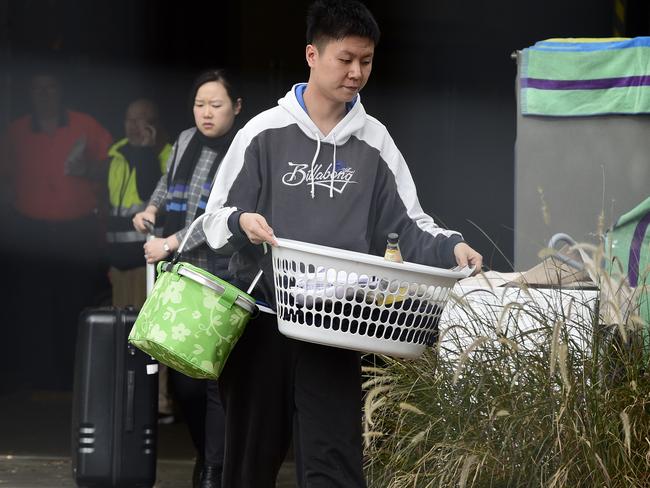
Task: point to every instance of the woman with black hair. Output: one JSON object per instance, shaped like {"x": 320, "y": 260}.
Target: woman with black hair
{"x": 182, "y": 195}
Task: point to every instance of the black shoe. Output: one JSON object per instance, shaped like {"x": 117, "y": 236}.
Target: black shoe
{"x": 211, "y": 477}
{"x": 196, "y": 472}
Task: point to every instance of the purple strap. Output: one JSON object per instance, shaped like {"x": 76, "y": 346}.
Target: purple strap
{"x": 635, "y": 250}
{"x": 592, "y": 84}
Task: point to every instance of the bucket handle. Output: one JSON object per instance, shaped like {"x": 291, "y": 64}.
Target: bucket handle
{"x": 197, "y": 221}
{"x": 177, "y": 254}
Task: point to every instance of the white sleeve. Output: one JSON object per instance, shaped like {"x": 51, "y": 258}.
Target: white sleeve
{"x": 215, "y": 224}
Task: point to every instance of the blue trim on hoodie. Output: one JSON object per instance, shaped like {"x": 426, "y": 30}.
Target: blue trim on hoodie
{"x": 300, "y": 92}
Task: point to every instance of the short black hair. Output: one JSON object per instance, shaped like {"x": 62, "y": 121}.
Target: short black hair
{"x": 336, "y": 19}
{"x": 227, "y": 78}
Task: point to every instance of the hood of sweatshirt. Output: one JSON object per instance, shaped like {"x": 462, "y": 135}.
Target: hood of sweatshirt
{"x": 353, "y": 121}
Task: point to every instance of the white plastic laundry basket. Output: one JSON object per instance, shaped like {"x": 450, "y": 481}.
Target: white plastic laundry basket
{"x": 358, "y": 301}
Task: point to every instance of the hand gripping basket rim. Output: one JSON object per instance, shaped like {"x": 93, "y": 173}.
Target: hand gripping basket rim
{"x": 299, "y": 320}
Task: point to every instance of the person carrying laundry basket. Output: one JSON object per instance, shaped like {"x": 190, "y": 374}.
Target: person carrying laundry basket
{"x": 318, "y": 169}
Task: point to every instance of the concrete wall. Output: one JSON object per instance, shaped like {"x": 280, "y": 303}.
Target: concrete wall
{"x": 584, "y": 166}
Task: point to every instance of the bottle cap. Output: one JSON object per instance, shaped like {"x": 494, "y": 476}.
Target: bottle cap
{"x": 393, "y": 238}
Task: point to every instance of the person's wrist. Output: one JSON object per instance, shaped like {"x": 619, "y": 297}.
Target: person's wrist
{"x": 166, "y": 247}
{"x": 234, "y": 223}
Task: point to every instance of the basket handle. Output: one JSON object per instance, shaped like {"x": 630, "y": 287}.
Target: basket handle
{"x": 197, "y": 221}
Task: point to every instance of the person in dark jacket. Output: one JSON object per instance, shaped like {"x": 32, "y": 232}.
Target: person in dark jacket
{"x": 182, "y": 195}
{"x": 317, "y": 169}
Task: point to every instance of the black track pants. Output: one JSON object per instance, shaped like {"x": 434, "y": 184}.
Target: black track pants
{"x": 267, "y": 380}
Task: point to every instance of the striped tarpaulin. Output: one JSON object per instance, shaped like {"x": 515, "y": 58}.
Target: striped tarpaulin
{"x": 580, "y": 77}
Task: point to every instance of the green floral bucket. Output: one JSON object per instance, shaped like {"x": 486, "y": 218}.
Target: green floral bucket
{"x": 191, "y": 320}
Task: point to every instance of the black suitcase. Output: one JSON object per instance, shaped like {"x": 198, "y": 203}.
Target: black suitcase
{"x": 115, "y": 404}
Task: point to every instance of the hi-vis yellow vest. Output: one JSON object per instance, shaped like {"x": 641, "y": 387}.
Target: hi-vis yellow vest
{"x": 122, "y": 190}
{"x": 125, "y": 243}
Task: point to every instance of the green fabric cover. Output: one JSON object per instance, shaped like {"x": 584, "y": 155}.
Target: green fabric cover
{"x": 628, "y": 245}
{"x": 188, "y": 326}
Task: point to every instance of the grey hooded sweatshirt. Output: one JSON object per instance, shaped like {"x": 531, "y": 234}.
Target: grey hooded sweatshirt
{"x": 348, "y": 189}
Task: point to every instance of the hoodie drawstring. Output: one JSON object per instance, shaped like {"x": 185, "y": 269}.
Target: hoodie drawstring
{"x": 333, "y": 166}
{"x": 313, "y": 161}
{"x": 332, "y": 172}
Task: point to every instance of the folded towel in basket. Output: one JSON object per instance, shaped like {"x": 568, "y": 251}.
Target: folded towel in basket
{"x": 579, "y": 77}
